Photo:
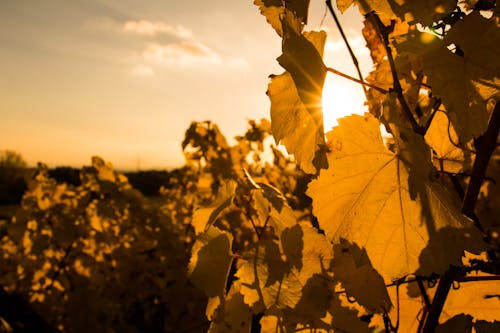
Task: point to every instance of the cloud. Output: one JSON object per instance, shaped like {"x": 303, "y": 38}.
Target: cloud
{"x": 188, "y": 54}
{"x": 142, "y": 71}
{"x": 144, "y": 27}
{"x": 184, "y": 51}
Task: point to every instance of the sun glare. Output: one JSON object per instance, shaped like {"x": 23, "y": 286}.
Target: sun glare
{"x": 341, "y": 98}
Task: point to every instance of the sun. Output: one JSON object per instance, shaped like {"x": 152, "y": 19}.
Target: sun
{"x": 341, "y": 98}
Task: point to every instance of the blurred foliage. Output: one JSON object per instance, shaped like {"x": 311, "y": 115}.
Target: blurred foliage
{"x": 94, "y": 254}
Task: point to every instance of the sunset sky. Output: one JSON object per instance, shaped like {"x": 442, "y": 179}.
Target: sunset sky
{"x": 123, "y": 79}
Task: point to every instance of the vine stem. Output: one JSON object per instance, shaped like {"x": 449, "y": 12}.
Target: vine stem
{"x": 485, "y": 146}
{"x": 334, "y": 71}
{"x": 353, "y": 56}
{"x": 443, "y": 288}
{"x": 384, "y": 35}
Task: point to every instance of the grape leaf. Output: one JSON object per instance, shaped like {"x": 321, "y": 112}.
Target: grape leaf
{"x": 344, "y": 319}
{"x": 381, "y": 7}
{"x": 303, "y": 60}
{"x": 204, "y": 217}
{"x": 353, "y": 269}
{"x": 443, "y": 140}
{"x": 232, "y": 316}
{"x": 458, "y": 324}
{"x": 293, "y": 11}
{"x": 210, "y": 261}
{"x": 270, "y": 279}
{"x": 481, "y": 300}
{"x": 262, "y": 276}
{"x": 423, "y": 11}
{"x": 482, "y": 326}
{"x": 464, "y": 80}
{"x": 383, "y": 201}
{"x": 296, "y": 114}
{"x": 269, "y": 214}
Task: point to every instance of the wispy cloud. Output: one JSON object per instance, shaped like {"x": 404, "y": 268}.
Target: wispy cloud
{"x": 149, "y": 28}
{"x": 182, "y": 50}
{"x": 185, "y": 53}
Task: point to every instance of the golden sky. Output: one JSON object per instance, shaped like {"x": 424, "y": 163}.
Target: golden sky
{"x": 123, "y": 79}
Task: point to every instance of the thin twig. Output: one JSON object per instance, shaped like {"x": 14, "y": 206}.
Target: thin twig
{"x": 353, "y": 56}
{"x": 382, "y": 31}
{"x": 435, "y": 109}
{"x": 478, "y": 278}
{"x": 334, "y": 71}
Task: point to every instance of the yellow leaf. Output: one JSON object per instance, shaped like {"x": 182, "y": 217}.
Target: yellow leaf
{"x": 386, "y": 202}
{"x": 353, "y": 269}
{"x": 480, "y": 299}
{"x": 210, "y": 261}
{"x": 293, "y": 11}
{"x": 464, "y": 80}
{"x": 204, "y": 217}
{"x": 296, "y": 114}
{"x": 442, "y": 138}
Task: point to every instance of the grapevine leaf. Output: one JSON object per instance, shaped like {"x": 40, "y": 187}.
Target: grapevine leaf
{"x": 270, "y": 279}
{"x": 460, "y": 323}
{"x": 381, "y": 7}
{"x": 306, "y": 250}
{"x": 353, "y": 269}
{"x": 303, "y": 60}
{"x": 409, "y": 309}
{"x": 424, "y": 11}
{"x": 481, "y": 300}
{"x": 292, "y": 125}
{"x": 442, "y": 138}
{"x": 269, "y": 323}
{"x": 344, "y": 319}
{"x": 210, "y": 261}
{"x": 384, "y": 201}
{"x": 293, "y": 11}
{"x": 263, "y": 275}
{"x": 482, "y": 326}
{"x": 466, "y": 78}
{"x": 204, "y": 217}
{"x": 269, "y": 214}
{"x": 296, "y": 97}
{"x": 232, "y": 316}
{"x": 314, "y": 302}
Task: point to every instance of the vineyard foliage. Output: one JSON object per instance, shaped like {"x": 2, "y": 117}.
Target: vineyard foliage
{"x": 361, "y": 232}
{"x": 390, "y": 213}
{"x": 102, "y": 257}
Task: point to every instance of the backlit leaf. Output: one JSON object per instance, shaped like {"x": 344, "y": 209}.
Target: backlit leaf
{"x": 481, "y": 300}
{"x": 294, "y": 12}
{"x": 464, "y": 80}
{"x": 204, "y": 217}
{"x": 210, "y": 261}
{"x": 296, "y": 113}
{"x": 271, "y": 276}
{"x": 232, "y": 316}
{"x": 422, "y": 11}
{"x": 381, "y": 201}
{"x": 443, "y": 140}
{"x": 353, "y": 269}
{"x": 458, "y": 324}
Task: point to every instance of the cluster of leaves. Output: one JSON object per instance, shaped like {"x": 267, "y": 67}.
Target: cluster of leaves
{"x": 99, "y": 250}
{"x": 407, "y": 210}
{"x": 97, "y": 255}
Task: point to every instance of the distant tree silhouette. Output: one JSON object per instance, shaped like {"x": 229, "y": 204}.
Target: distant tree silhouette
{"x": 12, "y": 174}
